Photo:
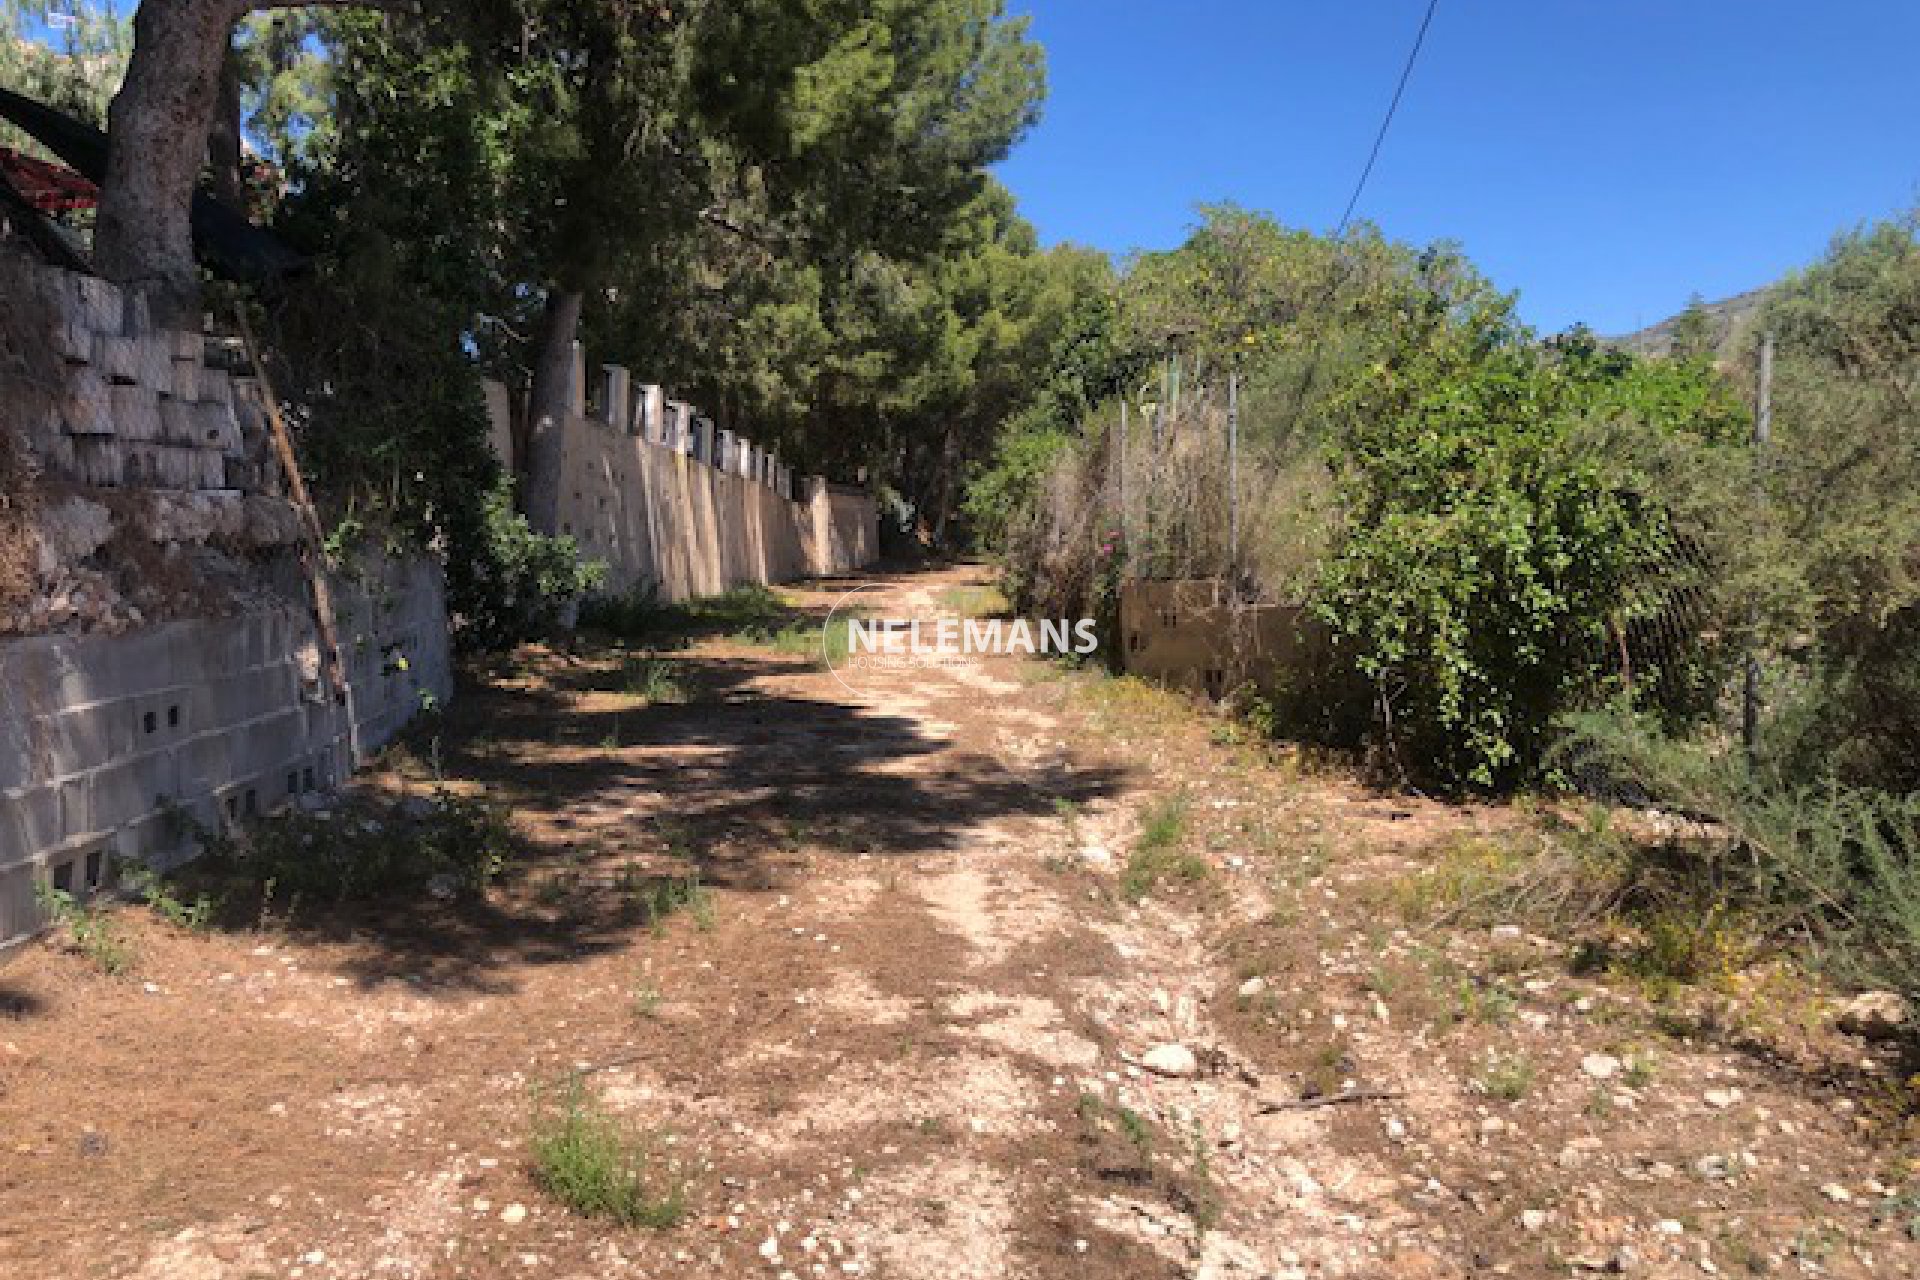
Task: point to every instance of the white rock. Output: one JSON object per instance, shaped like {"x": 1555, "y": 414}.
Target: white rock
{"x": 514, "y": 1214}
{"x": 1836, "y": 1193}
{"x": 1253, "y": 987}
{"x": 1534, "y": 1219}
{"x": 1174, "y": 1060}
{"x": 1601, "y": 1066}
{"x": 1721, "y": 1099}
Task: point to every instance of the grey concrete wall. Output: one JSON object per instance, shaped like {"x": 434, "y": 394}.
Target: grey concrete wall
{"x": 643, "y": 492}
{"x": 224, "y": 717}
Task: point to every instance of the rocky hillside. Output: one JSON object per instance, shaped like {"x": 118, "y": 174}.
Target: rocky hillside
{"x": 1728, "y": 318}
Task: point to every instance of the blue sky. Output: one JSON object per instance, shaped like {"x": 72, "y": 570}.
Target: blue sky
{"x": 1605, "y": 158}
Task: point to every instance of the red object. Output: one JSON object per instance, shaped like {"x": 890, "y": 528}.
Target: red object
{"x": 50, "y": 188}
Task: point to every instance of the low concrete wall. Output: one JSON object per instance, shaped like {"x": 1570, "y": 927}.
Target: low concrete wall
{"x": 1188, "y": 635}
{"x": 223, "y": 717}
{"x": 675, "y": 507}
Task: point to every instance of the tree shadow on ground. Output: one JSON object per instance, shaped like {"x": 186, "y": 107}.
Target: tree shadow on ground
{"x": 737, "y": 786}
{"x": 16, "y": 1004}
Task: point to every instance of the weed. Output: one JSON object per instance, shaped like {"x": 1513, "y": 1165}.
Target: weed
{"x": 659, "y": 897}
{"x": 1157, "y": 854}
{"x": 89, "y": 930}
{"x": 1487, "y": 1005}
{"x": 595, "y": 1165}
{"x": 974, "y": 602}
{"x": 1508, "y": 1077}
{"x": 1327, "y": 1068}
{"x": 1205, "y": 1202}
{"x": 154, "y": 890}
{"x": 656, "y": 681}
{"x": 1639, "y": 1071}
{"x": 359, "y": 850}
{"x": 646, "y": 1001}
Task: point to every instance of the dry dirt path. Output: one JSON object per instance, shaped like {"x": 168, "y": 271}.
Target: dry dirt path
{"x": 924, "y": 1033}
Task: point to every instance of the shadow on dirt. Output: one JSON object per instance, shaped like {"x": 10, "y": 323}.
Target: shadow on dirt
{"x": 734, "y": 786}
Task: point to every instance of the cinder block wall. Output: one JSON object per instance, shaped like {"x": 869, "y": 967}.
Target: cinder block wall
{"x": 671, "y": 505}
{"x": 222, "y": 717}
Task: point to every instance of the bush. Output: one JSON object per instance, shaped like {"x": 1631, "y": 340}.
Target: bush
{"x": 361, "y": 850}
{"x": 1834, "y": 865}
{"x": 1495, "y": 537}
{"x": 506, "y": 583}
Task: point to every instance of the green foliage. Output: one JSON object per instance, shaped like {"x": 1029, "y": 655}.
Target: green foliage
{"x": 655, "y": 680}
{"x": 1795, "y": 857}
{"x": 506, "y": 583}
{"x": 1835, "y": 570}
{"x": 595, "y": 1165}
{"x": 90, "y": 929}
{"x": 360, "y": 850}
{"x": 1157, "y": 854}
{"x": 1494, "y": 535}
{"x": 163, "y": 898}
{"x": 77, "y": 69}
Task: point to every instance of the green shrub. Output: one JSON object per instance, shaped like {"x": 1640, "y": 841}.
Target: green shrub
{"x": 1498, "y": 531}
{"x": 90, "y": 929}
{"x": 512, "y": 584}
{"x": 1815, "y": 861}
{"x": 363, "y": 850}
{"x": 596, "y": 1166}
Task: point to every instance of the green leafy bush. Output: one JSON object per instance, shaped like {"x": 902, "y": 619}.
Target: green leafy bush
{"x": 511, "y": 583}
{"x": 1495, "y": 536}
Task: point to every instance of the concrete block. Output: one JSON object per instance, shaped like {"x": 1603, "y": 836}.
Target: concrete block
{"x": 103, "y": 304}
{"x": 174, "y": 467}
{"x": 649, "y": 412}
{"x": 98, "y": 460}
{"x": 71, "y": 333}
{"x": 115, "y": 357}
{"x": 136, "y": 412}
{"x": 217, "y": 386}
{"x": 179, "y": 420}
{"x": 577, "y": 381}
{"x": 184, "y": 380}
{"x": 86, "y": 408}
{"x": 121, "y": 793}
{"x": 19, "y": 910}
{"x": 217, "y": 427}
{"x": 616, "y": 396}
{"x": 29, "y": 822}
{"x": 153, "y": 362}
{"x": 84, "y": 738}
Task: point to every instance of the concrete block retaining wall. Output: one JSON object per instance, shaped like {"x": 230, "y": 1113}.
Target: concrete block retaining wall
{"x": 224, "y": 717}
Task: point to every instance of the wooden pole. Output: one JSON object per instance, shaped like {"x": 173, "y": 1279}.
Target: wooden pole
{"x": 1233, "y": 479}
{"x": 313, "y": 537}
{"x": 1762, "y": 435}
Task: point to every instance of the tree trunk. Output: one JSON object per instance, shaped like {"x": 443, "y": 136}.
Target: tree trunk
{"x": 548, "y": 405}
{"x": 157, "y": 141}
{"x": 225, "y": 151}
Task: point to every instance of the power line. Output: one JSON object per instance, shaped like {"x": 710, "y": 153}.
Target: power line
{"x": 1386, "y": 121}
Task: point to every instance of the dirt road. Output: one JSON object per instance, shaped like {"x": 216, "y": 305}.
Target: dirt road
{"x": 942, "y": 1021}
